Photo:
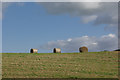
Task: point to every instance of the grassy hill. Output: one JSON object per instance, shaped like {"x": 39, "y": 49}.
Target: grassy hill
{"x": 60, "y": 65}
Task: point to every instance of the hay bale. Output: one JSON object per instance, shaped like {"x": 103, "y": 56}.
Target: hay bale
{"x": 83, "y": 49}
{"x": 33, "y": 51}
{"x": 56, "y": 50}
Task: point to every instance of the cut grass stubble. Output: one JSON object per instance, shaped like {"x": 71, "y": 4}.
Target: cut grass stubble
{"x": 60, "y": 65}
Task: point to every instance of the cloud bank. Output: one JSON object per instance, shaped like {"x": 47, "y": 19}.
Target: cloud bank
{"x": 99, "y": 12}
{"x": 105, "y": 42}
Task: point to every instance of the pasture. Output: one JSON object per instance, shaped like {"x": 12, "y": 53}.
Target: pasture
{"x": 60, "y": 65}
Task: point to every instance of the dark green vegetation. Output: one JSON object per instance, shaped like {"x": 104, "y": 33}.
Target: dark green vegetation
{"x": 60, "y": 65}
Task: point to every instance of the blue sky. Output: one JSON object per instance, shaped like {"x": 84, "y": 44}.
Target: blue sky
{"x": 36, "y": 25}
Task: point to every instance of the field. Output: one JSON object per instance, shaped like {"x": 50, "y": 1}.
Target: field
{"x": 60, "y": 65}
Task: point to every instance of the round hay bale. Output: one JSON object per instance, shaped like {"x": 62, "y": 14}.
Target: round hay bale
{"x": 83, "y": 49}
{"x": 56, "y": 50}
{"x": 33, "y": 51}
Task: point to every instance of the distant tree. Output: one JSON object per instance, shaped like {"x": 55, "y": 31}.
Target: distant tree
{"x": 117, "y": 50}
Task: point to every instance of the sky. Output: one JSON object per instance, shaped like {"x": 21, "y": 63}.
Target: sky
{"x": 65, "y": 25}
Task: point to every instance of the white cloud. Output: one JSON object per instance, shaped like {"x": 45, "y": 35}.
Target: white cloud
{"x": 91, "y": 5}
{"x": 110, "y": 35}
{"x": 87, "y": 19}
{"x": 69, "y": 39}
{"x": 94, "y": 43}
{"x": 105, "y": 42}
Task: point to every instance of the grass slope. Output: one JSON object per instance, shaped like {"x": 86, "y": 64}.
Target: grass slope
{"x": 64, "y": 65}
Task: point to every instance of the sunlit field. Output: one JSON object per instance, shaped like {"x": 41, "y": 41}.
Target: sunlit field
{"x": 60, "y": 65}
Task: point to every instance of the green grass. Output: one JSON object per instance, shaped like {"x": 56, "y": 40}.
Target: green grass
{"x": 60, "y": 65}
